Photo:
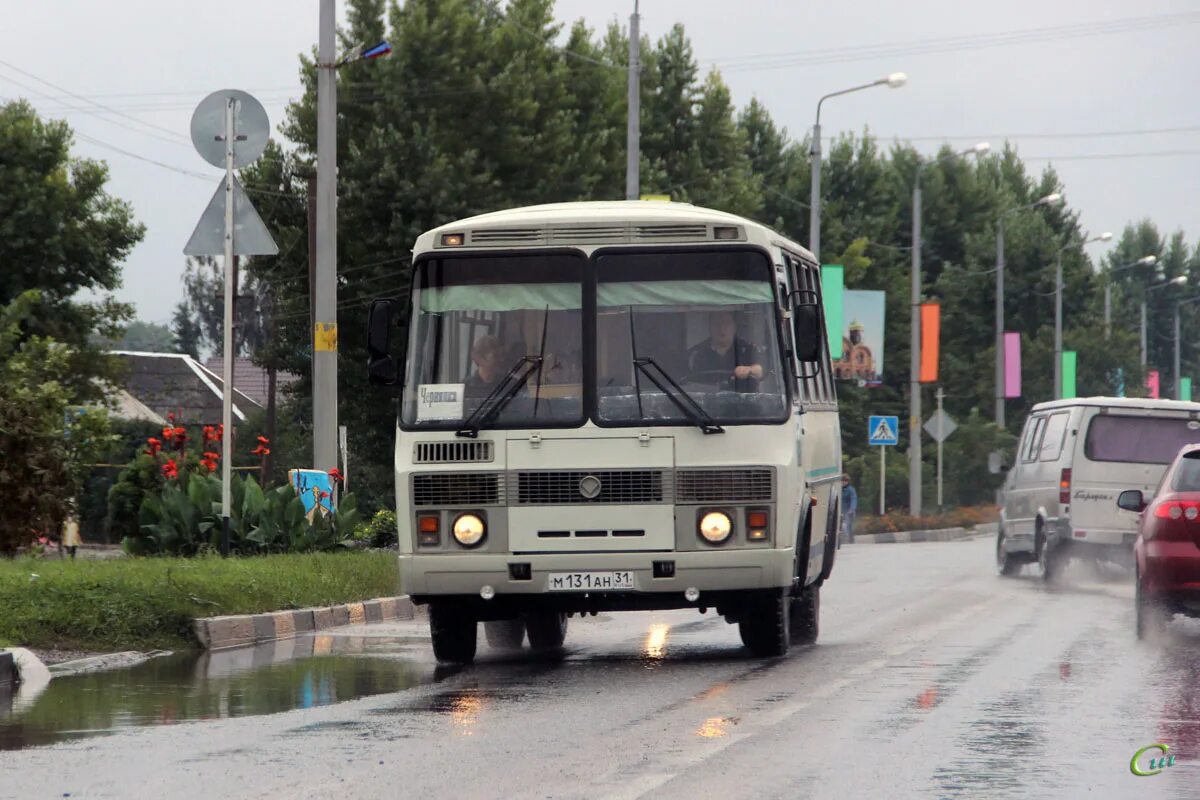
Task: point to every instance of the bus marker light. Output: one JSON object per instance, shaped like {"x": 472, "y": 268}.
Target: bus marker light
{"x": 452, "y": 240}
{"x": 757, "y": 535}
{"x": 487, "y": 592}
{"x": 691, "y": 594}
{"x": 725, "y": 232}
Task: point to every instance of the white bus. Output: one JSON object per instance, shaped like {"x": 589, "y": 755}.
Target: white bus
{"x": 612, "y": 406}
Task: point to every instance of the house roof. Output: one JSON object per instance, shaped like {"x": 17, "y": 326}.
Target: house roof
{"x": 249, "y": 378}
{"x": 176, "y": 383}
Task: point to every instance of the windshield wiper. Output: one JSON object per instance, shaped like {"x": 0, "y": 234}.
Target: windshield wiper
{"x": 499, "y": 397}
{"x": 691, "y": 409}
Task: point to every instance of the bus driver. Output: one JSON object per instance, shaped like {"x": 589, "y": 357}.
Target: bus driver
{"x": 722, "y": 352}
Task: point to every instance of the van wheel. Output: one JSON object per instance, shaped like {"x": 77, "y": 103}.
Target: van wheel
{"x": 547, "y": 630}
{"x": 764, "y": 625}
{"x": 1052, "y": 560}
{"x": 505, "y": 634}
{"x": 453, "y": 633}
{"x": 804, "y": 622}
{"x": 1006, "y": 563}
{"x": 1151, "y": 617}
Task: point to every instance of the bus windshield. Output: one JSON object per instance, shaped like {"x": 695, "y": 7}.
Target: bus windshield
{"x": 505, "y": 331}
{"x": 703, "y": 322}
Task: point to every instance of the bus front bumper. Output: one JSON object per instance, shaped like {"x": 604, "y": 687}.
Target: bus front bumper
{"x": 464, "y": 574}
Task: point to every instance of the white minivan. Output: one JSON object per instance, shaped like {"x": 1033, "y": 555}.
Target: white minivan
{"x": 1073, "y": 459}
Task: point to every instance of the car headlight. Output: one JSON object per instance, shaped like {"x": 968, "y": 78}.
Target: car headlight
{"x": 715, "y": 527}
{"x": 469, "y": 530}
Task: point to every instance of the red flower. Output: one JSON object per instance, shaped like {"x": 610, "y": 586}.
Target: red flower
{"x": 208, "y": 456}
{"x": 209, "y": 464}
{"x": 264, "y": 441}
{"x": 168, "y": 433}
{"x": 335, "y": 475}
{"x": 154, "y": 446}
{"x": 170, "y": 416}
{"x": 260, "y": 450}
{"x": 210, "y": 434}
{"x": 170, "y": 469}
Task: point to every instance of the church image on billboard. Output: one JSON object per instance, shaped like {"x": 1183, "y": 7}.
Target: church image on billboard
{"x": 862, "y": 340}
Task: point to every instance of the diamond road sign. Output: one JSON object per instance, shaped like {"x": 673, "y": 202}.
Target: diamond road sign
{"x": 940, "y": 425}
{"x": 883, "y": 431}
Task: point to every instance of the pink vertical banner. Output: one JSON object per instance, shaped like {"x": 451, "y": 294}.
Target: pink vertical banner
{"x": 1152, "y": 383}
{"x": 1012, "y": 364}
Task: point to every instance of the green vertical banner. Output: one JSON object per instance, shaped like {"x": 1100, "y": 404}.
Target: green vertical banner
{"x": 1185, "y": 389}
{"x": 833, "y": 285}
{"x": 1068, "y": 374}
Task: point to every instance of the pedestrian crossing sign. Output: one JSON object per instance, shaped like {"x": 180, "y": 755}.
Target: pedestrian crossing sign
{"x": 883, "y": 431}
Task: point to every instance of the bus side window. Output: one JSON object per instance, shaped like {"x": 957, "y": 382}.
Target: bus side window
{"x": 817, "y": 385}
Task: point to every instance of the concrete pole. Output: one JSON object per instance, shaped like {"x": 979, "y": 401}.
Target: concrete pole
{"x": 814, "y": 211}
{"x": 1144, "y": 356}
{"x": 1058, "y": 326}
{"x": 1108, "y": 307}
{"x": 634, "y": 111}
{"x": 1178, "y": 395}
{"x": 1000, "y": 322}
{"x": 227, "y": 367}
{"x": 914, "y": 378}
{"x": 325, "y": 356}
{"x": 941, "y": 395}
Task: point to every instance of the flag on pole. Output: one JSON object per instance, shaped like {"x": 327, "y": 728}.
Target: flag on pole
{"x": 1012, "y": 364}
{"x": 381, "y": 49}
{"x": 1185, "y": 389}
{"x": 833, "y": 283}
{"x": 1069, "y": 363}
{"x": 1152, "y": 383}
{"x": 931, "y": 317}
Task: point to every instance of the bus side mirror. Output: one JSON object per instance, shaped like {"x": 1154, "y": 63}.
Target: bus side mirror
{"x": 806, "y": 324}
{"x": 1131, "y": 500}
{"x": 382, "y": 369}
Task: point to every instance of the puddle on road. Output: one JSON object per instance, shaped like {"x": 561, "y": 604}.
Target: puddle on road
{"x": 279, "y": 676}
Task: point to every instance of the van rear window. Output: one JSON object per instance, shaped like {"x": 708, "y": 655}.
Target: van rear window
{"x": 1138, "y": 440}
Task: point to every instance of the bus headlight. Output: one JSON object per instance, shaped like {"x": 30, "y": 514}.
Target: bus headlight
{"x": 715, "y": 527}
{"x": 469, "y": 530}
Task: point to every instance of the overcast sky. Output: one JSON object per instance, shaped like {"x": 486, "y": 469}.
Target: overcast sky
{"x": 1048, "y": 89}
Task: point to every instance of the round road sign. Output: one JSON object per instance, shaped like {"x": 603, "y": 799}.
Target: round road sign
{"x": 250, "y": 126}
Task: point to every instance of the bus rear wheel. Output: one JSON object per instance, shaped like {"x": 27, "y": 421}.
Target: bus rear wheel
{"x": 454, "y": 634}
{"x": 547, "y": 630}
{"x": 764, "y": 623}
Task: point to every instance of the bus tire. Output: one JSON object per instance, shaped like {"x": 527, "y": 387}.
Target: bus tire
{"x": 453, "y": 633}
{"x": 505, "y": 634}
{"x": 804, "y": 621}
{"x": 764, "y": 626}
{"x": 547, "y": 630}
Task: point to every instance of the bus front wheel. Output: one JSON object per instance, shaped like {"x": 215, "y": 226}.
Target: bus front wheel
{"x": 805, "y": 616}
{"x": 454, "y": 634}
{"x": 764, "y": 623}
{"x": 547, "y": 630}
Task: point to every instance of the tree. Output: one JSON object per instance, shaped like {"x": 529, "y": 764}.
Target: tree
{"x": 198, "y": 322}
{"x": 146, "y": 337}
{"x": 61, "y": 234}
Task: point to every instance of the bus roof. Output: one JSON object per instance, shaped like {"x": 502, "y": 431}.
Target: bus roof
{"x": 1119, "y": 402}
{"x": 599, "y": 222}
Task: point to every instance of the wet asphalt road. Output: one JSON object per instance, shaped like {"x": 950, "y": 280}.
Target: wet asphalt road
{"x": 933, "y": 678}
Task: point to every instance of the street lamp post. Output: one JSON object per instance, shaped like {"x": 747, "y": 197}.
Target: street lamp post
{"x": 1179, "y": 384}
{"x": 914, "y": 387}
{"x": 1058, "y": 316}
{"x": 1177, "y": 281}
{"x": 1144, "y": 261}
{"x": 1050, "y": 199}
{"x": 892, "y": 81}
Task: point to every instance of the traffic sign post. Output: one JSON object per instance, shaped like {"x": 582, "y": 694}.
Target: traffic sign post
{"x": 885, "y": 432}
{"x": 940, "y": 426}
{"x": 229, "y": 129}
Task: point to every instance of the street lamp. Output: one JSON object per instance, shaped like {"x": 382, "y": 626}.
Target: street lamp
{"x": 892, "y": 81}
{"x": 1144, "y": 261}
{"x": 1178, "y": 382}
{"x": 1178, "y": 281}
{"x": 1053, "y": 198}
{"x": 914, "y": 387}
{"x": 1058, "y": 287}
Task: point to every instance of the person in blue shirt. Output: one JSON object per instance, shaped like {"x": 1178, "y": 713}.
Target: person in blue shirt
{"x": 849, "y": 509}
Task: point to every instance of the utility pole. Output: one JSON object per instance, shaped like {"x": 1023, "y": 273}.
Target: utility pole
{"x": 634, "y": 121}
{"x": 325, "y": 332}
{"x": 1058, "y": 326}
{"x": 941, "y": 395}
{"x": 914, "y": 377}
{"x": 1000, "y": 323}
{"x": 227, "y": 377}
{"x": 312, "y": 255}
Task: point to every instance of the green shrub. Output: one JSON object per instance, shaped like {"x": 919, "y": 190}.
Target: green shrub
{"x": 381, "y": 530}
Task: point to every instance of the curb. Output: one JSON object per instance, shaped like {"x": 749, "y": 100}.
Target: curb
{"x": 218, "y": 633}
{"x": 943, "y": 535}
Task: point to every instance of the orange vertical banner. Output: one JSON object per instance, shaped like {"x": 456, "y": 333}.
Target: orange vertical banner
{"x": 931, "y": 319}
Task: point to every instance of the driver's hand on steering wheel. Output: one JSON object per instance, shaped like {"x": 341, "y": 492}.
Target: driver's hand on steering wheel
{"x": 754, "y": 371}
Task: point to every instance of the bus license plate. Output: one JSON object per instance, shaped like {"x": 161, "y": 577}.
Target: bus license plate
{"x": 590, "y": 581}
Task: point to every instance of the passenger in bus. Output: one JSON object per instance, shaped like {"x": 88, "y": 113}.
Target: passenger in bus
{"x": 724, "y": 352}
{"x": 488, "y": 356}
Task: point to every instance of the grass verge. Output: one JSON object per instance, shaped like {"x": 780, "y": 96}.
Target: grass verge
{"x": 895, "y": 521}
{"x": 143, "y": 603}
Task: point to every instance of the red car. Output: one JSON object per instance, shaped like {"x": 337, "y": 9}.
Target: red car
{"x": 1167, "y": 551}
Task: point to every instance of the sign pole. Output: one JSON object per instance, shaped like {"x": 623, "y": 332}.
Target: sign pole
{"x": 227, "y": 377}
{"x": 941, "y": 394}
{"x": 882, "y": 480}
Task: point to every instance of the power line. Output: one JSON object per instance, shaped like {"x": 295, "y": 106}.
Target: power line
{"x": 954, "y": 43}
{"x": 124, "y": 152}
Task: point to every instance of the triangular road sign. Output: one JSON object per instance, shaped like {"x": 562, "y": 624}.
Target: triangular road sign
{"x": 250, "y": 235}
{"x": 883, "y": 431}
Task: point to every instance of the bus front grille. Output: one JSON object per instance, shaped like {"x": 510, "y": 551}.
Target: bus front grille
{"x": 754, "y": 485}
{"x": 570, "y": 487}
{"x": 457, "y": 489}
{"x": 452, "y": 452}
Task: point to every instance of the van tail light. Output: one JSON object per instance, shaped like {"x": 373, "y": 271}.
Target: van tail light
{"x": 1175, "y": 520}
{"x": 1064, "y": 487}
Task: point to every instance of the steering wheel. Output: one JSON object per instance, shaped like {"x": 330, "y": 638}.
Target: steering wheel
{"x": 721, "y": 376}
